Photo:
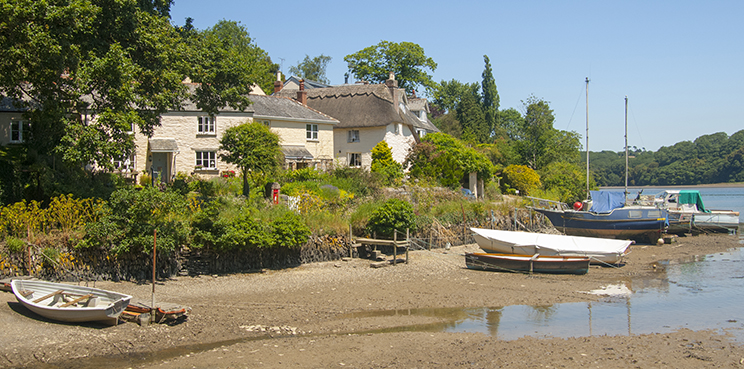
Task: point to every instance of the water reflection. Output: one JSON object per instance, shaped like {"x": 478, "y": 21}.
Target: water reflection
{"x": 701, "y": 293}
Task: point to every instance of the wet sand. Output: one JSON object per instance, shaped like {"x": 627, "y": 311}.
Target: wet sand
{"x": 312, "y": 317}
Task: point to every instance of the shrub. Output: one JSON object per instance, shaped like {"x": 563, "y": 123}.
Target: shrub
{"x": 15, "y": 245}
{"x": 521, "y": 178}
{"x": 289, "y": 231}
{"x": 383, "y": 164}
{"x": 394, "y": 214}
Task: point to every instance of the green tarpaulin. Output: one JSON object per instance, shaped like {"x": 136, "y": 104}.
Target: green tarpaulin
{"x": 692, "y": 197}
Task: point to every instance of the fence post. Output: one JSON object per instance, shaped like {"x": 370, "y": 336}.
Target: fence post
{"x": 395, "y": 246}
{"x": 408, "y": 242}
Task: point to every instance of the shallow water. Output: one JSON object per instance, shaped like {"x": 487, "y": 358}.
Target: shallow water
{"x": 704, "y": 292}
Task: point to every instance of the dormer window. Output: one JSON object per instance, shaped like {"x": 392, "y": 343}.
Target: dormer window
{"x": 206, "y": 124}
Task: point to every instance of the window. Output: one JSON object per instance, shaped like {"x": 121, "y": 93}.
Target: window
{"x": 355, "y": 159}
{"x": 312, "y": 132}
{"x": 397, "y": 128}
{"x": 267, "y": 123}
{"x": 206, "y": 124}
{"x": 206, "y": 160}
{"x": 16, "y": 130}
{"x": 125, "y": 164}
{"x": 354, "y": 135}
{"x": 421, "y": 133}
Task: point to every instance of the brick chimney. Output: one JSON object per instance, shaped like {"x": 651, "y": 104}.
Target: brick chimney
{"x": 301, "y": 93}
{"x": 278, "y": 85}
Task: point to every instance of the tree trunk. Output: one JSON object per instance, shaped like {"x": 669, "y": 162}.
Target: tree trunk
{"x": 246, "y": 185}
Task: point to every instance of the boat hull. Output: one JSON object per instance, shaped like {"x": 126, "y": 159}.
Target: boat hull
{"x": 44, "y": 299}
{"x": 599, "y": 250}
{"x": 700, "y": 222}
{"x": 527, "y": 263}
{"x": 645, "y": 225}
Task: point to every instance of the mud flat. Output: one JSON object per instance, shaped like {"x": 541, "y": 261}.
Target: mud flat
{"x": 317, "y": 316}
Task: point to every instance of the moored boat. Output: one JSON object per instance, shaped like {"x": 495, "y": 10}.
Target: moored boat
{"x": 70, "y": 303}
{"x": 528, "y": 263}
{"x": 688, "y": 214}
{"x": 599, "y": 250}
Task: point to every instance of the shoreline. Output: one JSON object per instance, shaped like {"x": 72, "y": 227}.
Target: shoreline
{"x": 321, "y": 315}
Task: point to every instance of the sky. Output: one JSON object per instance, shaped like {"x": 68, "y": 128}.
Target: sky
{"x": 680, "y": 63}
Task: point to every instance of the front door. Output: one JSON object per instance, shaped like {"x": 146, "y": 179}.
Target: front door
{"x": 160, "y": 166}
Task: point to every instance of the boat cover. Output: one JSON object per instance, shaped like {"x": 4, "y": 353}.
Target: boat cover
{"x": 692, "y": 197}
{"x": 606, "y": 201}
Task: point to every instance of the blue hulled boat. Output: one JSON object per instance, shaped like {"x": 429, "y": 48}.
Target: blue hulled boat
{"x": 607, "y": 216}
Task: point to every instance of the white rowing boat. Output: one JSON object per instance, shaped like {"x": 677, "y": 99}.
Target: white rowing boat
{"x": 599, "y": 250}
{"x": 70, "y": 303}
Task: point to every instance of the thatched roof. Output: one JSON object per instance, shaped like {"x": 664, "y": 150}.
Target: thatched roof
{"x": 360, "y": 105}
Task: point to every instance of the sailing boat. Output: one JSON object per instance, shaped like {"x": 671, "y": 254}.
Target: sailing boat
{"x": 607, "y": 214}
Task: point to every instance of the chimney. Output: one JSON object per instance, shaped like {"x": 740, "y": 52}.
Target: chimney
{"x": 278, "y": 83}
{"x": 392, "y": 84}
{"x": 301, "y": 93}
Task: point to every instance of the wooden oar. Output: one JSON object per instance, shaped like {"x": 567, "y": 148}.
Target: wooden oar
{"x": 40, "y": 299}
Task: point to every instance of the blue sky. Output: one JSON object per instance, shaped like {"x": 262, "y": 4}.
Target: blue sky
{"x": 679, "y": 62}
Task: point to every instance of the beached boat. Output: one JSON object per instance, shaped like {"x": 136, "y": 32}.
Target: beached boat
{"x": 70, "y": 303}
{"x": 599, "y": 250}
{"x": 607, "y": 216}
{"x": 527, "y": 263}
{"x": 688, "y": 214}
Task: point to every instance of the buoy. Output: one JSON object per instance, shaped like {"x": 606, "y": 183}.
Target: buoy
{"x": 660, "y": 241}
{"x": 578, "y": 205}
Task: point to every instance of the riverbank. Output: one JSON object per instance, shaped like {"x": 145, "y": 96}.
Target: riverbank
{"x": 316, "y": 316}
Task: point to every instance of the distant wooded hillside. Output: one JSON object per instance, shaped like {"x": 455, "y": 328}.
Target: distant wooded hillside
{"x": 714, "y": 158}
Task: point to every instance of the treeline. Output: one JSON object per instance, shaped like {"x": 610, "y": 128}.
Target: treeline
{"x": 714, "y": 158}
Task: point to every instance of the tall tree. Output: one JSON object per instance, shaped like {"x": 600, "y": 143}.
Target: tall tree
{"x": 406, "y": 60}
{"x": 490, "y": 99}
{"x": 471, "y": 117}
{"x": 313, "y": 69}
{"x": 226, "y": 63}
{"x": 253, "y": 148}
{"x": 447, "y": 94}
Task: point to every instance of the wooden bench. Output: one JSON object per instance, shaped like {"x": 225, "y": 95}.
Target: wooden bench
{"x": 75, "y": 301}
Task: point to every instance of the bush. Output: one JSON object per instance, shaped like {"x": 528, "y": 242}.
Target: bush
{"x": 520, "y": 177}
{"x": 15, "y": 245}
{"x": 394, "y": 214}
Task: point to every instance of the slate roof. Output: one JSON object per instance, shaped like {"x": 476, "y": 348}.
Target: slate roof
{"x": 282, "y": 107}
{"x": 360, "y": 105}
{"x": 163, "y": 145}
{"x": 295, "y": 81}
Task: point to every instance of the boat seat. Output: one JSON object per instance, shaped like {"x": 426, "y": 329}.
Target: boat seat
{"x": 55, "y": 293}
{"x": 75, "y": 301}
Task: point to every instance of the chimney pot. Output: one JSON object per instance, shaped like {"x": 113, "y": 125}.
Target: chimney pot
{"x": 301, "y": 93}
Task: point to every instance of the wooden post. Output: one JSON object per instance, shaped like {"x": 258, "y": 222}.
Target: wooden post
{"x": 464, "y": 223}
{"x": 408, "y": 242}
{"x": 395, "y": 246}
{"x": 154, "y": 248}
{"x": 491, "y": 219}
{"x": 431, "y": 234}
{"x": 351, "y": 243}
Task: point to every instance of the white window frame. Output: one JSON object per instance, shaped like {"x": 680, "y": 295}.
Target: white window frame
{"x": 311, "y": 132}
{"x": 17, "y": 127}
{"x": 421, "y": 133}
{"x": 206, "y": 160}
{"x": 355, "y": 163}
{"x": 206, "y": 124}
{"x": 354, "y": 135}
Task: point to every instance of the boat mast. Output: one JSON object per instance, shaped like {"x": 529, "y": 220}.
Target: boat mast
{"x": 626, "y": 149}
{"x": 587, "y": 137}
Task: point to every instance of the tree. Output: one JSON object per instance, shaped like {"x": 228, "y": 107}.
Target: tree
{"x": 490, "y": 99}
{"x": 116, "y": 63}
{"x": 471, "y": 117}
{"x": 226, "y": 63}
{"x": 521, "y": 178}
{"x": 446, "y": 95}
{"x": 313, "y": 69}
{"x": 384, "y": 164}
{"x": 253, "y": 148}
{"x": 406, "y": 60}
{"x": 446, "y": 160}
{"x": 539, "y": 143}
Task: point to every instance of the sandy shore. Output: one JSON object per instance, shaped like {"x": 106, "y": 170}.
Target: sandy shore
{"x": 314, "y": 316}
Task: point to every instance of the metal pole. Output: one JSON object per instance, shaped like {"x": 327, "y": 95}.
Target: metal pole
{"x": 587, "y": 137}
{"x": 626, "y": 149}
